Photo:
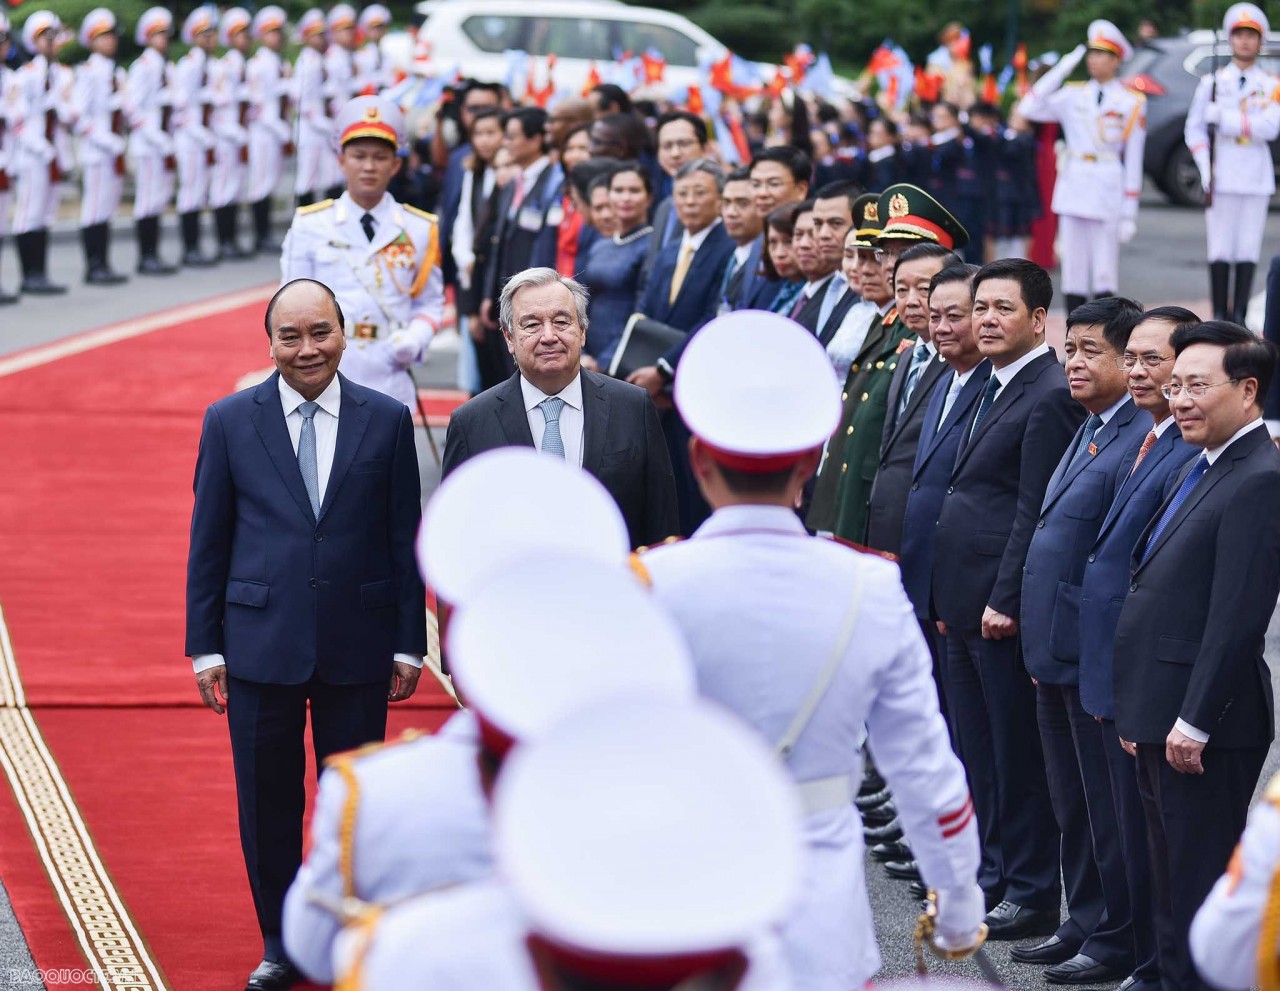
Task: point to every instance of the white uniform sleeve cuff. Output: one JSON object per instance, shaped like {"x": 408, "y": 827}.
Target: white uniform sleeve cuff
{"x": 411, "y": 659}
{"x": 1187, "y": 730}
{"x": 203, "y": 662}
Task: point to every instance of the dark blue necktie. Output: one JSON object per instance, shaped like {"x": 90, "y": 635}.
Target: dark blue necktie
{"x": 988, "y": 397}
{"x": 1091, "y": 427}
{"x": 1194, "y": 475}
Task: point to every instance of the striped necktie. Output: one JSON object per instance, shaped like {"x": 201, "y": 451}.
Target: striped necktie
{"x": 308, "y": 463}
{"x": 552, "y": 442}
{"x": 1148, "y": 443}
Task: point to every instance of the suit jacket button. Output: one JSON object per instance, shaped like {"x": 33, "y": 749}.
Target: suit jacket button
{"x": 1133, "y": 587}
{"x": 313, "y": 583}
{"x": 1040, "y": 525}
{"x": 951, "y": 489}
{"x": 1091, "y": 557}
{"x": 319, "y": 537}
{"x": 915, "y": 486}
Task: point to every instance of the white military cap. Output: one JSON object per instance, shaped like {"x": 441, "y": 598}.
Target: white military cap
{"x": 234, "y": 21}
{"x": 310, "y": 24}
{"x": 342, "y": 16}
{"x": 97, "y": 22}
{"x": 199, "y": 21}
{"x": 552, "y": 634}
{"x": 646, "y": 841}
{"x": 1106, "y": 37}
{"x": 270, "y": 18}
{"x": 369, "y": 117}
{"x": 374, "y": 15}
{"x": 757, "y": 390}
{"x": 1245, "y": 15}
{"x": 471, "y": 528}
{"x": 36, "y": 25}
{"x": 152, "y": 20}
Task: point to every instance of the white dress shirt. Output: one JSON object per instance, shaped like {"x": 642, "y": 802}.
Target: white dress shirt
{"x": 1163, "y": 425}
{"x": 958, "y": 381}
{"x": 572, "y": 421}
{"x": 696, "y": 240}
{"x": 1106, "y": 415}
{"x": 1005, "y": 375}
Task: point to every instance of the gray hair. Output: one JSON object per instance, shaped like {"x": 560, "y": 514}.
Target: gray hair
{"x": 539, "y": 277}
{"x": 706, "y": 165}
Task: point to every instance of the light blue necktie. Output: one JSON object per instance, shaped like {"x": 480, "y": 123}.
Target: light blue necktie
{"x": 919, "y": 357}
{"x": 552, "y": 442}
{"x": 1179, "y": 497}
{"x": 308, "y": 463}
{"x": 834, "y": 289}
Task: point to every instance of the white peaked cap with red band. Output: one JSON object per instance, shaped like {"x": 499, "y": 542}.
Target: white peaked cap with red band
{"x": 235, "y": 20}
{"x": 1245, "y": 15}
{"x": 508, "y": 504}
{"x": 1103, "y": 36}
{"x": 552, "y": 634}
{"x": 369, "y": 117}
{"x": 758, "y": 390}
{"x": 374, "y": 15}
{"x": 270, "y": 18}
{"x": 97, "y": 22}
{"x": 200, "y": 20}
{"x": 646, "y": 838}
{"x": 342, "y": 16}
{"x": 36, "y": 25}
{"x": 310, "y": 24}
{"x": 152, "y": 20}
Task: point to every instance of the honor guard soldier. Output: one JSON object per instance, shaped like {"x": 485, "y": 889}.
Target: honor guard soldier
{"x": 1104, "y": 124}
{"x": 315, "y": 121}
{"x": 751, "y": 586}
{"x": 151, "y": 138}
{"x": 100, "y": 126}
{"x": 381, "y": 258}
{"x": 270, "y": 121}
{"x": 641, "y": 843}
{"x": 42, "y": 157}
{"x": 231, "y": 128}
{"x": 9, "y": 97}
{"x": 1241, "y": 103}
{"x": 377, "y": 857}
{"x": 340, "y": 71}
{"x": 194, "y": 139}
{"x": 373, "y": 74}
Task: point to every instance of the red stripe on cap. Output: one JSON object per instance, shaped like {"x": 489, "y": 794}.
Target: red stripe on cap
{"x": 1246, "y": 22}
{"x": 630, "y": 971}
{"x": 756, "y": 464}
{"x": 1106, "y": 45}
{"x": 944, "y": 239}
{"x": 371, "y": 129}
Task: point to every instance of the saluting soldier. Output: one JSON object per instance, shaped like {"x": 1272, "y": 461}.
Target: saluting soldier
{"x": 315, "y": 120}
{"x": 1104, "y": 124}
{"x": 381, "y": 258}
{"x": 1241, "y": 102}
{"x": 373, "y": 74}
{"x": 100, "y": 126}
{"x": 9, "y": 97}
{"x": 46, "y": 105}
{"x": 270, "y": 121}
{"x": 231, "y": 128}
{"x": 150, "y": 137}
{"x": 194, "y": 139}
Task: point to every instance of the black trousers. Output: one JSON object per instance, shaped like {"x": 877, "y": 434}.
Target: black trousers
{"x": 1098, "y": 913}
{"x": 1193, "y": 824}
{"x": 268, "y": 749}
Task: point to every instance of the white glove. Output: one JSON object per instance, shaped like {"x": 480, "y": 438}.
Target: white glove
{"x": 112, "y": 144}
{"x": 1052, "y": 80}
{"x": 204, "y": 137}
{"x": 1128, "y": 228}
{"x": 960, "y": 915}
{"x": 404, "y": 350}
{"x": 1212, "y": 114}
{"x": 39, "y": 147}
{"x": 160, "y": 141}
{"x": 239, "y": 135}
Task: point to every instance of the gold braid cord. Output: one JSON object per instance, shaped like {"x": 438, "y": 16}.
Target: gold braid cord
{"x": 1268, "y": 961}
{"x": 927, "y": 927}
{"x": 347, "y": 828}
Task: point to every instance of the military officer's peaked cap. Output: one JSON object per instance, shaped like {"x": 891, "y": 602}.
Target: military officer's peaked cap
{"x": 551, "y": 634}
{"x": 648, "y": 843}
{"x": 370, "y": 117}
{"x": 199, "y": 21}
{"x": 153, "y": 20}
{"x": 508, "y": 504}
{"x": 908, "y": 213}
{"x": 1245, "y": 15}
{"x": 270, "y": 18}
{"x": 375, "y": 15}
{"x": 866, "y": 220}
{"x": 234, "y": 21}
{"x": 342, "y": 16}
{"x": 310, "y": 24}
{"x": 757, "y": 390}
{"x": 36, "y": 25}
{"x": 96, "y": 23}
{"x": 1103, "y": 36}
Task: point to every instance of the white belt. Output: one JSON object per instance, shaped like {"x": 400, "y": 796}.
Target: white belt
{"x": 825, "y": 794}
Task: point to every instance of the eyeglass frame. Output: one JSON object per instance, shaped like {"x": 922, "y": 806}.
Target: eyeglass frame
{"x": 1168, "y": 392}
{"x": 1150, "y": 362}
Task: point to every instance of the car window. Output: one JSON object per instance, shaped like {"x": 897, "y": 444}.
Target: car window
{"x": 1142, "y": 61}
{"x": 1269, "y": 60}
{"x": 676, "y": 48}
{"x": 569, "y": 37}
{"x": 493, "y": 32}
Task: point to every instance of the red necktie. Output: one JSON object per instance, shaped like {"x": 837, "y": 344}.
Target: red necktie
{"x": 1148, "y": 442}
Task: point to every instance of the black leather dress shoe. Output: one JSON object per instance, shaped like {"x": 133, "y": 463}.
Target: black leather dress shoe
{"x": 885, "y": 852}
{"x": 881, "y": 815}
{"x": 273, "y": 975}
{"x": 1052, "y": 950}
{"x": 8, "y": 299}
{"x": 193, "y": 259}
{"x": 873, "y": 800}
{"x": 154, "y": 266}
{"x": 39, "y": 285}
{"x": 231, "y": 251}
{"x": 1082, "y": 969}
{"x": 890, "y": 831}
{"x": 104, "y": 276}
{"x": 1010, "y": 921}
{"x": 903, "y": 870}
{"x": 917, "y": 890}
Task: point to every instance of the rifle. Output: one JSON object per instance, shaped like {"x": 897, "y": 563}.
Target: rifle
{"x": 1212, "y": 129}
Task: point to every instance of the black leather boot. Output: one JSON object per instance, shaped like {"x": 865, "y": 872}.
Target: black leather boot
{"x": 33, "y": 248}
{"x": 1219, "y": 275}
{"x": 7, "y": 299}
{"x": 148, "y": 234}
{"x": 99, "y": 272}
{"x": 191, "y": 254}
{"x": 262, "y": 241}
{"x": 1072, "y": 301}
{"x": 1243, "y": 290}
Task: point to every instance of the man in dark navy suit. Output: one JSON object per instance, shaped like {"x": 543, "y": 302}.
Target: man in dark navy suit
{"x": 1023, "y": 423}
{"x": 1192, "y": 688}
{"x": 301, "y": 582}
{"x": 1095, "y": 944}
{"x": 1148, "y": 358}
{"x": 743, "y": 278}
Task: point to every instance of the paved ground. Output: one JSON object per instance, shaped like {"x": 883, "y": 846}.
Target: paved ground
{"x": 1164, "y": 264}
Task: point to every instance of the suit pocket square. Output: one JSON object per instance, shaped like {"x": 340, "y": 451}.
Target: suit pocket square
{"x": 378, "y": 595}
{"x": 244, "y": 593}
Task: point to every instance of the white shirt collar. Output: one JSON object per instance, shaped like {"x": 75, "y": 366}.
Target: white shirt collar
{"x": 1164, "y": 425}
{"x": 881, "y": 153}
{"x": 1213, "y": 454}
{"x": 1005, "y": 375}
{"x": 571, "y": 393}
{"x": 533, "y": 171}
{"x": 1113, "y": 409}
{"x": 381, "y": 211}
{"x": 950, "y": 134}
{"x": 963, "y": 377}
{"x": 751, "y": 517}
{"x": 742, "y": 252}
{"x": 697, "y": 240}
{"x": 812, "y": 287}
{"x": 330, "y": 400}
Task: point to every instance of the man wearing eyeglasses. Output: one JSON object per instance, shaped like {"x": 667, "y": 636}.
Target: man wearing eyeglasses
{"x": 682, "y": 138}
{"x": 1192, "y": 688}
{"x": 1148, "y": 364}
{"x": 1095, "y": 944}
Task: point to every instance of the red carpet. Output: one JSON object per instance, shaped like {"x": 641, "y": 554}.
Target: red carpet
{"x": 98, "y": 450}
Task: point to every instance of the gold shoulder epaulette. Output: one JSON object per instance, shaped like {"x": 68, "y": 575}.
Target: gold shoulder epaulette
{"x": 315, "y": 207}
{"x": 1133, "y": 91}
{"x": 348, "y": 756}
{"x": 421, "y": 213}
{"x": 675, "y": 539}
{"x": 861, "y": 548}
{"x": 1272, "y": 794}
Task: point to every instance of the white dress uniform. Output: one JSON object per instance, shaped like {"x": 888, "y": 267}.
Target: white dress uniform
{"x": 390, "y": 821}
{"x": 150, "y": 123}
{"x": 230, "y": 117}
{"x": 270, "y": 122}
{"x": 9, "y": 116}
{"x": 100, "y": 98}
{"x": 1226, "y": 934}
{"x": 194, "y": 139}
{"x": 801, "y": 635}
{"x": 42, "y": 156}
{"x": 315, "y": 125}
{"x": 1100, "y": 174}
{"x": 373, "y": 72}
{"x": 391, "y": 289}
